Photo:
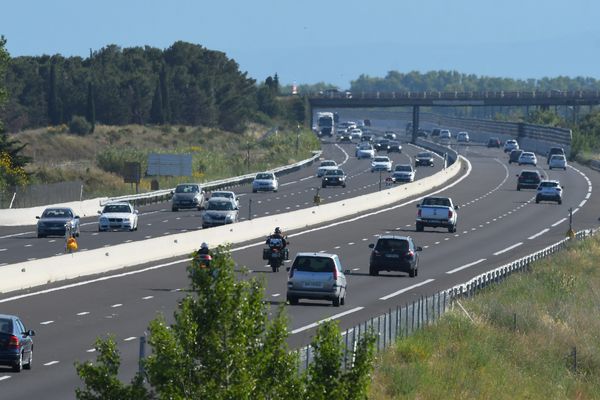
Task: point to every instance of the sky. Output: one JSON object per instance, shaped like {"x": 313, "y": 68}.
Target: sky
{"x": 332, "y": 41}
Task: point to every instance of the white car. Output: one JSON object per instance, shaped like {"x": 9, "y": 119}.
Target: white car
{"x": 463, "y": 137}
{"x": 226, "y": 193}
{"x": 558, "y": 161}
{"x": 120, "y": 216}
{"x": 365, "y": 150}
{"x": 356, "y": 133}
{"x": 550, "y": 191}
{"x": 403, "y": 173}
{"x": 510, "y": 145}
{"x": 528, "y": 158}
{"x": 445, "y": 137}
{"x": 381, "y": 163}
{"x": 326, "y": 165}
{"x": 265, "y": 181}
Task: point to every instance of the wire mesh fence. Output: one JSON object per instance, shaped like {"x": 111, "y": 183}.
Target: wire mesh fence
{"x": 39, "y": 195}
{"x": 402, "y": 321}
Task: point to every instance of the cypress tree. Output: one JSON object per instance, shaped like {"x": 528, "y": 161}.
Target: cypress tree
{"x": 91, "y": 107}
{"x": 164, "y": 93}
{"x": 53, "y": 107}
{"x": 156, "y": 111}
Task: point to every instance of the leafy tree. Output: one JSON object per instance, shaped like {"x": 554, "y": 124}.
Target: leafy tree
{"x": 164, "y": 93}
{"x": 157, "y": 115}
{"x": 53, "y": 104}
{"x": 79, "y": 125}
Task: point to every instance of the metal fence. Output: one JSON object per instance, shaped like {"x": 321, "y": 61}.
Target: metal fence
{"x": 38, "y": 195}
{"x": 403, "y": 320}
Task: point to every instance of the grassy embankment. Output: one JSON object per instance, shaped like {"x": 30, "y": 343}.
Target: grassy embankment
{"x": 97, "y": 158}
{"x": 557, "y": 309}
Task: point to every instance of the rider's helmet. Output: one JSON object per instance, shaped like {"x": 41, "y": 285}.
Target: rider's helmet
{"x": 278, "y": 231}
{"x": 204, "y": 245}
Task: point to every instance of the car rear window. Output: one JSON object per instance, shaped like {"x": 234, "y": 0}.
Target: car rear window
{"x": 6, "y": 325}
{"x": 186, "y": 189}
{"x": 548, "y": 184}
{"x": 529, "y": 175}
{"x": 392, "y": 245}
{"x": 264, "y": 176}
{"x": 313, "y": 264}
{"x": 436, "y": 201}
{"x": 57, "y": 213}
{"x": 328, "y": 164}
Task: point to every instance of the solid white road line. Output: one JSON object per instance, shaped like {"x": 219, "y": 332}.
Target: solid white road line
{"x": 336, "y": 316}
{"x": 560, "y": 221}
{"x": 509, "y": 248}
{"x": 466, "y": 266}
{"x": 406, "y": 289}
{"x": 540, "y": 233}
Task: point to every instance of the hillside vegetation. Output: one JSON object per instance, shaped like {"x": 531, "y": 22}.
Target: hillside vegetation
{"x": 97, "y": 159}
{"x": 550, "y": 353}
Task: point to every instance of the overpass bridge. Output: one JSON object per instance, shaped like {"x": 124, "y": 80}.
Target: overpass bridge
{"x": 543, "y": 99}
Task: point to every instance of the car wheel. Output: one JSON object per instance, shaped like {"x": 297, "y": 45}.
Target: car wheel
{"x": 19, "y": 364}
{"x": 323, "y": 185}
{"x": 419, "y": 227}
{"x": 550, "y": 168}
{"x": 417, "y": 271}
{"x": 204, "y": 226}
{"x": 29, "y": 361}
{"x": 373, "y": 271}
{"x": 343, "y": 301}
{"x": 451, "y": 229}
{"x": 344, "y": 185}
{"x": 537, "y": 201}
{"x": 336, "y": 302}
{"x": 559, "y": 201}
{"x": 412, "y": 273}
{"x": 174, "y": 209}
{"x": 253, "y": 190}
{"x": 518, "y": 187}
{"x": 40, "y": 236}
{"x": 292, "y": 300}
{"x": 275, "y": 191}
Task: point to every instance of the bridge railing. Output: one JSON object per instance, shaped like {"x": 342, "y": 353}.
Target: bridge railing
{"x": 456, "y": 95}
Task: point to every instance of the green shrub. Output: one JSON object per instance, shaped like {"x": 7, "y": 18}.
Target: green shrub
{"x": 79, "y": 126}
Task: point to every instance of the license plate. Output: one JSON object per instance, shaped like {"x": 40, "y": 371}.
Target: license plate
{"x": 392, "y": 255}
{"x": 313, "y": 284}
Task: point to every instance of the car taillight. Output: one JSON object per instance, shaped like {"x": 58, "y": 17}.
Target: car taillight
{"x": 13, "y": 342}
{"x": 419, "y": 213}
{"x": 449, "y": 213}
{"x": 410, "y": 254}
{"x": 335, "y": 274}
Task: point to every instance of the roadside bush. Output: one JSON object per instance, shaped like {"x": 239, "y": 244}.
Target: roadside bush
{"x": 79, "y": 126}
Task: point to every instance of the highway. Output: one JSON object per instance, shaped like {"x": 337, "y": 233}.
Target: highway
{"x": 496, "y": 224}
{"x": 296, "y": 191}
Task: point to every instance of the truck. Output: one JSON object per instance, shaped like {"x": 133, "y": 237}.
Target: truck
{"x": 437, "y": 212}
{"x": 325, "y": 123}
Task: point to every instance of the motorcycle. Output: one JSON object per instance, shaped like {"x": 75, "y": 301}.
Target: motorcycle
{"x": 203, "y": 260}
{"x": 275, "y": 253}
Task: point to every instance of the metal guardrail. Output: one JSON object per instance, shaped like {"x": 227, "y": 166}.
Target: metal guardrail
{"x": 402, "y": 321}
{"x": 537, "y": 94}
{"x": 165, "y": 194}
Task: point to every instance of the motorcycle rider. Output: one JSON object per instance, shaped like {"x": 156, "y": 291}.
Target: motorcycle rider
{"x": 277, "y": 239}
{"x": 203, "y": 249}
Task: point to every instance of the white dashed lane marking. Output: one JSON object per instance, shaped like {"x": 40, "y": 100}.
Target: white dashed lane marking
{"x": 406, "y": 289}
{"x": 560, "y": 221}
{"x": 540, "y": 233}
{"x": 5, "y": 377}
{"x": 465, "y": 266}
{"x": 50, "y": 363}
{"x": 46, "y": 322}
{"x": 129, "y": 339}
{"x": 90, "y": 350}
{"x": 116, "y": 305}
{"x": 83, "y": 313}
{"x": 147, "y": 297}
{"x": 509, "y": 248}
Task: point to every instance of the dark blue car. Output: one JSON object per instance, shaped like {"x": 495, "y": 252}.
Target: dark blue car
{"x": 16, "y": 344}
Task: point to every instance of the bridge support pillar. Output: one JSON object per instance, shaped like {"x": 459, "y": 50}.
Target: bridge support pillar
{"x": 415, "y": 124}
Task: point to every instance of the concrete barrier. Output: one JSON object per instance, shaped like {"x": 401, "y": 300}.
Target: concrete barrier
{"x": 69, "y": 266}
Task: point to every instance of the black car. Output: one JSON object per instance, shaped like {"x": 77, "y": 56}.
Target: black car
{"x": 366, "y": 138}
{"x": 345, "y": 138}
{"x": 394, "y": 147}
{"x": 424, "y": 158}
{"x": 394, "y": 253}
{"x": 381, "y": 144}
{"x": 494, "y": 142}
{"x": 334, "y": 177}
{"x": 435, "y": 133}
{"x": 514, "y": 156}
{"x": 54, "y": 221}
{"x": 390, "y": 135}
{"x": 16, "y": 345}
{"x": 528, "y": 179}
{"x": 422, "y": 133}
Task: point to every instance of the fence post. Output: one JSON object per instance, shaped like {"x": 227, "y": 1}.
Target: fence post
{"x": 390, "y": 325}
{"x": 384, "y": 329}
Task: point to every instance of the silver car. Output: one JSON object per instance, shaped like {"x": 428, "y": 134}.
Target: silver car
{"x": 317, "y": 276}
{"x": 54, "y": 221}
{"x": 187, "y": 195}
{"x": 265, "y": 181}
{"x": 219, "y": 211}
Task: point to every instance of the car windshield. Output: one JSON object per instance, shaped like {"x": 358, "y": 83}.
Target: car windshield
{"x": 228, "y": 195}
{"x": 117, "y": 208}
{"x": 268, "y": 177}
{"x": 529, "y": 175}
{"x": 394, "y": 143}
{"x": 403, "y": 168}
{"x": 313, "y": 264}
{"x": 328, "y": 164}
{"x": 335, "y": 172}
{"x": 381, "y": 159}
{"x": 436, "y": 201}
{"x": 186, "y": 189}
{"x": 220, "y": 205}
{"x": 57, "y": 213}
{"x": 424, "y": 155}
{"x": 392, "y": 245}
{"x": 558, "y": 157}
